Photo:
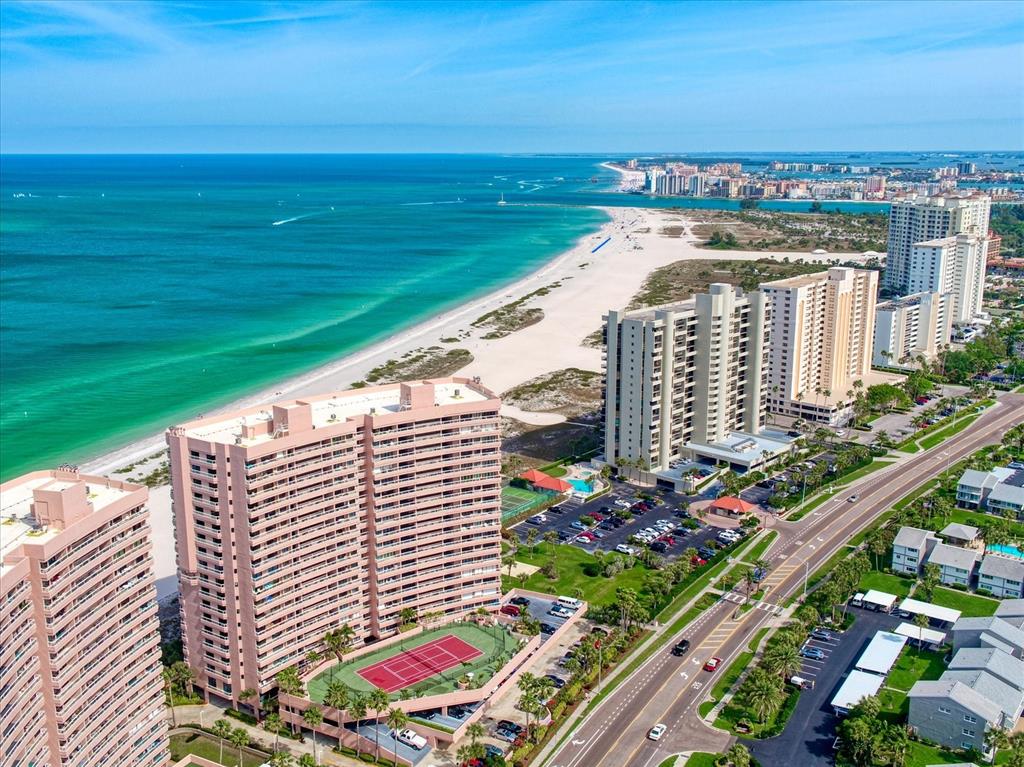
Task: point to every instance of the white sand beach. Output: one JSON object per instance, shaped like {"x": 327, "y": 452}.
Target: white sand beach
{"x": 591, "y": 283}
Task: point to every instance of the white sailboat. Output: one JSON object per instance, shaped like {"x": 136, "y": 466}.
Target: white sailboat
{"x": 502, "y": 200}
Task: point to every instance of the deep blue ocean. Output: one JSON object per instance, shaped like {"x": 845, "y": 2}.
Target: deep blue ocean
{"x": 140, "y": 290}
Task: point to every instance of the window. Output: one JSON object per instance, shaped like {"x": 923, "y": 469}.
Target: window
{"x": 970, "y": 719}
{"x": 968, "y": 733}
{"x": 944, "y": 710}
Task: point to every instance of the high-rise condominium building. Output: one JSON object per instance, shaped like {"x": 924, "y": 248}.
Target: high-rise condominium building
{"x": 821, "y": 334}
{"x": 80, "y": 673}
{"x": 685, "y": 381}
{"x": 917, "y": 219}
{"x": 954, "y": 265}
{"x": 915, "y": 326}
{"x": 294, "y": 519}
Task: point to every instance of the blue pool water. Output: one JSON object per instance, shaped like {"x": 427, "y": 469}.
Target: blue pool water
{"x": 581, "y": 485}
{"x": 1012, "y": 551}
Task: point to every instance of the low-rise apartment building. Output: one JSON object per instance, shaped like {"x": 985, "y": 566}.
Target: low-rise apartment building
{"x": 956, "y": 565}
{"x": 1002, "y": 575}
{"x": 80, "y": 670}
{"x": 686, "y": 381}
{"x": 999, "y": 491}
{"x": 910, "y": 549}
{"x": 350, "y": 508}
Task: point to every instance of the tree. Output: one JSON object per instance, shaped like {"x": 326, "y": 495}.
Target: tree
{"x": 738, "y": 755}
{"x": 921, "y": 621}
{"x": 240, "y": 739}
{"x": 177, "y": 680}
{"x": 337, "y": 697}
{"x": 339, "y": 640}
{"x": 313, "y": 716}
{"x": 407, "y": 616}
{"x": 280, "y": 759}
{"x": 535, "y": 691}
{"x": 290, "y": 683}
{"x": 273, "y": 723}
{"x": 763, "y": 693}
{"x": 222, "y": 729}
{"x": 930, "y": 579}
{"x": 357, "y": 707}
{"x": 308, "y": 760}
{"x": 378, "y": 702}
{"x": 531, "y": 539}
{"x": 247, "y": 695}
{"x": 782, "y": 658}
{"x": 396, "y": 720}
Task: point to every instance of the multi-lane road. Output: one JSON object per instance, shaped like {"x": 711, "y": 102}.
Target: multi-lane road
{"x": 668, "y": 690}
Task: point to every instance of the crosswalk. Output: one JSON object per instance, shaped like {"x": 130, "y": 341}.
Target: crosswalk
{"x": 766, "y": 606}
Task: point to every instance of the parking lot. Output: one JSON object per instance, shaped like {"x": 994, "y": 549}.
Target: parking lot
{"x": 666, "y": 509}
{"x": 811, "y": 730}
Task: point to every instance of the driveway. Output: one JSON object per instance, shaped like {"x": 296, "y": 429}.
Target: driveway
{"x": 808, "y": 737}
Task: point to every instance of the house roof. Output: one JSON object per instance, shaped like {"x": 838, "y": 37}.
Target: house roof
{"x": 959, "y": 692}
{"x": 945, "y": 555}
{"x": 1002, "y": 567}
{"x": 912, "y": 537}
{"x": 975, "y": 478}
{"x": 960, "y": 532}
{"x": 996, "y": 662}
{"x": 733, "y": 504}
{"x": 1010, "y": 608}
{"x": 1009, "y": 699}
{"x": 1006, "y": 633}
{"x": 1005, "y": 492}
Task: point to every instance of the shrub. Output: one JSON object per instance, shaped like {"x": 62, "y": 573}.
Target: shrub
{"x": 983, "y": 592}
{"x": 240, "y": 716}
{"x": 957, "y": 586}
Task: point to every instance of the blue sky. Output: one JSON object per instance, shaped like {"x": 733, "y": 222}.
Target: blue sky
{"x": 196, "y": 76}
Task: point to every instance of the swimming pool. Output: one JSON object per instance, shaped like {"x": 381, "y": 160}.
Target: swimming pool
{"x": 1010, "y": 551}
{"x": 581, "y": 486}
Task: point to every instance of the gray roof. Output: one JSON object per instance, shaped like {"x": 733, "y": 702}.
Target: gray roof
{"x": 1010, "y": 608}
{"x": 959, "y": 692}
{"x": 912, "y": 537}
{"x": 996, "y": 662}
{"x": 975, "y": 478}
{"x": 997, "y": 627}
{"x": 1007, "y": 493}
{"x": 953, "y": 556}
{"x": 1002, "y": 567}
{"x": 960, "y": 532}
{"x": 1009, "y": 699}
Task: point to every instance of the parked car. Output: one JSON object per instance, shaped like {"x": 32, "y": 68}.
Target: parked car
{"x": 560, "y": 612}
{"x": 492, "y": 750}
{"x": 577, "y": 525}
{"x": 622, "y": 503}
{"x": 656, "y": 732}
{"x": 705, "y": 552}
{"x": 411, "y": 738}
{"x": 512, "y": 610}
{"x": 812, "y": 652}
{"x": 547, "y": 628}
{"x": 698, "y": 562}
{"x": 822, "y": 634}
{"x": 520, "y": 601}
{"x": 557, "y": 681}
{"x": 596, "y": 516}
{"x": 597, "y": 533}
{"x": 624, "y": 549}
{"x": 659, "y": 547}
{"x": 556, "y": 510}
{"x": 712, "y": 664}
{"x": 681, "y": 647}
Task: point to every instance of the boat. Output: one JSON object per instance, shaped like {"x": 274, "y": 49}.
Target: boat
{"x": 502, "y": 200}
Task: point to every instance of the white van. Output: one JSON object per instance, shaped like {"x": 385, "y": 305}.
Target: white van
{"x": 570, "y": 603}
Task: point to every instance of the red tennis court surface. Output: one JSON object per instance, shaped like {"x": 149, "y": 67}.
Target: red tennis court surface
{"x": 414, "y": 665}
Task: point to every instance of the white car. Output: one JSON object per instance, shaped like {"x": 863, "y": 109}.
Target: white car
{"x": 656, "y": 732}
{"x": 411, "y": 738}
{"x": 623, "y": 504}
{"x": 624, "y": 549}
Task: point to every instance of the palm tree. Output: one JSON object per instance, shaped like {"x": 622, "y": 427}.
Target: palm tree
{"x": 308, "y": 760}
{"x": 240, "y": 739}
{"x": 738, "y": 755}
{"x": 531, "y": 539}
{"x": 290, "y": 683}
{"x": 312, "y": 658}
{"x": 396, "y": 720}
{"x": 177, "y": 679}
{"x": 337, "y": 697}
{"x": 273, "y": 722}
{"x": 357, "y": 710}
{"x": 249, "y": 694}
{"x": 763, "y": 693}
{"x": 222, "y": 729}
{"x": 475, "y": 731}
{"x": 280, "y": 759}
{"x": 921, "y": 621}
{"x": 313, "y": 717}
{"x": 378, "y": 702}
{"x": 782, "y": 659}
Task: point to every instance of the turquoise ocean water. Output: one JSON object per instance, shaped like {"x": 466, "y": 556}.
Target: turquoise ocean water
{"x": 136, "y": 291}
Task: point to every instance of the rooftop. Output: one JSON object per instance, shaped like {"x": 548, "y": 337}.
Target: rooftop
{"x": 910, "y": 631}
{"x": 998, "y": 566}
{"x": 881, "y": 652}
{"x": 939, "y": 613}
{"x": 912, "y": 537}
{"x": 960, "y": 692}
{"x": 330, "y": 409}
{"x": 744, "y": 448}
{"x": 1010, "y": 608}
{"x": 1006, "y": 633}
{"x": 945, "y": 555}
{"x": 960, "y": 532}
{"x": 1009, "y": 699}
{"x": 996, "y": 662}
{"x": 857, "y": 686}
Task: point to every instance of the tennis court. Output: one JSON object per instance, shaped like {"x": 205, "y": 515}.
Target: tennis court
{"x": 429, "y": 663}
{"x": 516, "y": 500}
{"x": 412, "y": 666}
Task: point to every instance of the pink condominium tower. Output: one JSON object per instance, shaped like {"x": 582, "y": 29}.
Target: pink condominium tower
{"x": 346, "y": 508}
{"x": 80, "y": 675}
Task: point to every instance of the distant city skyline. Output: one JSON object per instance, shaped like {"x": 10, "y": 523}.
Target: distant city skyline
{"x": 513, "y": 77}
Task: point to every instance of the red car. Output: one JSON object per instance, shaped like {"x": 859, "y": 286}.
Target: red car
{"x": 698, "y": 562}
{"x": 596, "y": 516}
{"x": 511, "y": 610}
{"x": 712, "y": 664}
{"x": 587, "y": 537}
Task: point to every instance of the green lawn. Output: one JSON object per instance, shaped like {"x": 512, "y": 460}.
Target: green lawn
{"x": 895, "y": 705}
{"x": 913, "y": 665}
{"x": 199, "y": 744}
{"x": 980, "y": 518}
{"x": 571, "y": 562}
{"x": 497, "y": 645}
{"x": 938, "y": 437}
{"x": 970, "y": 605}
{"x": 699, "y": 759}
{"x": 864, "y": 471}
{"x": 890, "y": 584}
{"x": 761, "y": 547}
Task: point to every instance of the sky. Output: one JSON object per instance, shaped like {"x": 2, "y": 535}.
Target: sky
{"x": 193, "y": 76}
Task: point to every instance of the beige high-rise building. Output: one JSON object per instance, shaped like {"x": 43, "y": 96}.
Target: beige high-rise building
{"x": 80, "y": 672}
{"x": 686, "y": 381}
{"x": 917, "y": 219}
{"x": 906, "y": 328}
{"x": 953, "y": 265}
{"x": 821, "y": 335}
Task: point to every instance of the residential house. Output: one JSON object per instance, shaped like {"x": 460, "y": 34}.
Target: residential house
{"x": 1012, "y": 611}
{"x": 956, "y": 565}
{"x": 988, "y": 632}
{"x": 996, "y": 662}
{"x": 1003, "y": 576}
{"x": 959, "y": 535}
{"x": 910, "y": 549}
{"x": 999, "y": 491}
{"x": 953, "y": 713}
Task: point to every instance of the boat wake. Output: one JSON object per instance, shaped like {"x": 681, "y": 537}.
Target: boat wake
{"x": 438, "y": 202}
{"x": 298, "y": 218}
